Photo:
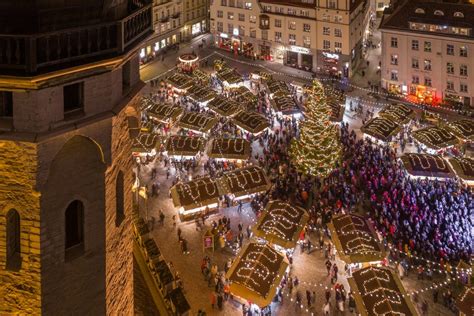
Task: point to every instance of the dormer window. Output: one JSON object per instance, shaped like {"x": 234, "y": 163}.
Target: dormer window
{"x": 439, "y": 13}
{"x": 458, "y": 14}
{"x": 420, "y": 11}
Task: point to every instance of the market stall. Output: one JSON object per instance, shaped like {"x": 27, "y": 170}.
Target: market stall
{"x": 229, "y": 149}
{"x": 145, "y": 144}
{"x": 188, "y": 62}
{"x": 200, "y": 75}
{"x": 256, "y": 273}
{"x": 281, "y": 224}
{"x": 251, "y": 122}
{"x": 197, "y": 122}
{"x": 195, "y": 196}
{"x": 229, "y": 77}
{"x": 465, "y": 302}
{"x": 223, "y": 106}
{"x": 244, "y": 96}
{"x": 284, "y": 104}
{"x": 277, "y": 86}
{"x": 381, "y": 129}
{"x": 178, "y": 147}
{"x": 378, "y": 291}
{"x": 400, "y": 113}
{"x": 337, "y": 109}
{"x": 355, "y": 240}
{"x": 164, "y": 113}
{"x": 179, "y": 81}
{"x": 464, "y": 129}
{"x": 435, "y": 139}
{"x": 242, "y": 183}
{"x": 201, "y": 94}
{"x": 464, "y": 169}
{"x": 426, "y": 166}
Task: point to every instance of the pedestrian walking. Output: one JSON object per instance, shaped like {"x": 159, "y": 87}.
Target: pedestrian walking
{"x": 213, "y": 299}
{"x": 308, "y": 298}
{"x": 174, "y": 221}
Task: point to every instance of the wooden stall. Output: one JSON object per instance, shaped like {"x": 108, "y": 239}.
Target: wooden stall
{"x": 186, "y": 147}
{"x": 242, "y": 183}
{"x": 224, "y": 106}
{"x": 164, "y": 113}
{"x": 229, "y": 149}
{"x": 426, "y": 166}
{"x": 435, "y": 139}
{"x": 251, "y": 122}
{"x": 381, "y": 129}
{"x": 199, "y": 123}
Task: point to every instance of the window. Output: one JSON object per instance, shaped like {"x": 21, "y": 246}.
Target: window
{"x": 450, "y": 49}
{"x": 267, "y": 8}
{"x": 332, "y": 4}
{"x": 450, "y": 85}
{"x": 291, "y": 11}
{"x": 326, "y": 30}
{"x": 338, "y": 47}
{"x": 230, "y": 28}
{"x": 458, "y": 15}
{"x": 415, "y": 45}
{"x": 439, "y": 13}
{"x": 220, "y": 14}
{"x": 427, "y": 65}
{"x": 394, "y": 75}
{"x": 220, "y": 27}
{"x": 73, "y": 96}
{"x": 415, "y": 64}
{"x": 126, "y": 77}
{"x": 463, "y": 70}
{"x": 74, "y": 227}
{"x": 307, "y": 41}
{"x": 326, "y": 45}
{"x": 450, "y": 68}
{"x": 223, "y": 3}
{"x": 292, "y": 39}
{"x": 394, "y": 42}
{"x": 306, "y": 27}
{"x": 415, "y": 79}
{"x": 277, "y": 23}
{"x": 119, "y": 199}
{"x": 13, "y": 240}
{"x": 278, "y": 37}
{"x": 394, "y": 59}
{"x": 240, "y": 4}
{"x": 337, "y": 32}
{"x": 428, "y": 47}
{"x": 230, "y": 15}
{"x": 279, "y": 10}
{"x": 232, "y": 3}
{"x": 338, "y": 18}
{"x": 463, "y": 51}
{"x": 241, "y": 17}
{"x": 265, "y": 35}
{"x": 248, "y": 5}
{"x": 463, "y": 87}
{"x": 253, "y": 19}
{"x": 428, "y": 82}
{"x": 6, "y": 104}
{"x": 253, "y": 33}
{"x": 304, "y": 12}
{"x": 326, "y": 17}
{"x": 292, "y": 25}
{"x": 419, "y": 11}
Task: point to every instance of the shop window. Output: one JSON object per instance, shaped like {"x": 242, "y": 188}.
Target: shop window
{"x": 119, "y": 199}
{"x": 13, "y": 240}
{"x": 126, "y": 77}
{"x": 74, "y": 227}
{"x": 6, "y": 104}
{"x": 73, "y": 95}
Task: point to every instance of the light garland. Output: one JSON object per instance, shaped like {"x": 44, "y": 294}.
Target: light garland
{"x": 424, "y": 162}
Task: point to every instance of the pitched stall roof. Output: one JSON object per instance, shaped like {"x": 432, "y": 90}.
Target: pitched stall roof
{"x": 251, "y": 122}
{"x": 397, "y": 112}
{"x": 223, "y": 106}
{"x": 381, "y": 128}
{"x": 229, "y": 148}
{"x": 201, "y": 93}
{"x": 435, "y": 137}
{"x": 145, "y": 142}
{"x": 337, "y": 109}
{"x": 424, "y": 165}
{"x": 464, "y": 168}
{"x": 256, "y": 274}
{"x": 244, "y": 181}
{"x": 164, "y": 112}
{"x": 180, "y": 81}
{"x": 229, "y": 75}
{"x": 465, "y": 301}
{"x": 355, "y": 239}
{"x": 198, "y": 122}
{"x": 184, "y": 145}
{"x": 281, "y": 224}
{"x": 284, "y": 103}
{"x": 463, "y": 129}
{"x": 196, "y": 193}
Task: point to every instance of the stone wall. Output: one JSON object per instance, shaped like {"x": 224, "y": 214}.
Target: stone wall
{"x": 20, "y": 291}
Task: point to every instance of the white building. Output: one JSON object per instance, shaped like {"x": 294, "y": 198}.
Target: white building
{"x": 305, "y": 34}
{"x": 428, "y": 49}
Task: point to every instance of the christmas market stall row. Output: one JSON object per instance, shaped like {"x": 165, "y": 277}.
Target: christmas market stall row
{"x": 435, "y": 139}
{"x": 203, "y": 194}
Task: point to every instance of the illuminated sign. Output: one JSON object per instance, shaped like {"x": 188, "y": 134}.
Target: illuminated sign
{"x": 224, "y": 35}
{"x": 298, "y": 49}
{"x": 331, "y": 56}
{"x": 236, "y": 31}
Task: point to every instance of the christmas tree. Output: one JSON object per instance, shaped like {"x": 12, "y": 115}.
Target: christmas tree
{"x": 318, "y": 150}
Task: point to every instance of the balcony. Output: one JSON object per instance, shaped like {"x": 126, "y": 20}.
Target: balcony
{"x": 43, "y": 52}
{"x": 176, "y": 15}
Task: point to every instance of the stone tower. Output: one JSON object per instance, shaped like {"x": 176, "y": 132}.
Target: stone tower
{"x": 69, "y": 83}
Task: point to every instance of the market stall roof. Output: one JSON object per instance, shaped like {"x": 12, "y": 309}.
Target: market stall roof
{"x": 194, "y": 194}
{"x": 465, "y": 301}
{"x": 355, "y": 239}
{"x": 424, "y": 165}
{"x": 252, "y": 122}
{"x": 463, "y": 129}
{"x": 197, "y": 122}
{"x": 179, "y": 301}
{"x": 145, "y": 142}
{"x": 275, "y": 86}
{"x": 464, "y": 168}
{"x": 435, "y": 137}
{"x": 381, "y": 128}
{"x": 201, "y": 75}
{"x": 164, "y": 112}
{"x": 337, "y": 109}
{"x": 284, "y": 103}
{"x": 245, "y": 95}
{"x": 256, "y": 274}
{"x": 244, "y": 181}
{"x": 229, "y": 75}
{"x": 397, "y": 112}
{"x": 180, "y": 81}
{"x": 223, "y": 106}
{"x": 281, "y": 224}
{"x": 184, "y": 145}
{"x": 378, "y": 291}
{"x": 229, "y": 148}
{"x": 145, "y": 103}
{"x": 201, "y": 93}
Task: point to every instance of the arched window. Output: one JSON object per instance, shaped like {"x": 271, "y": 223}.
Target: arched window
{"x": 13, "y": 240}
{"x": 419, "y": 11}
{"x": 74, "y": 229}
{"x": 119, "y": 199}
{"x": 439, "y": 13}
{"x": 458, "y": 14}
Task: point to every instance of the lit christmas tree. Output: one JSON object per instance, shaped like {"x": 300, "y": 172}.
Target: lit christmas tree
{"x": 318, "y": 149}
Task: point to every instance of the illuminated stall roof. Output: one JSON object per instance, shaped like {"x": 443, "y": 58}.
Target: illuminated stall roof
{"x": 164, "y": 112}
{"x": 355, "y": 239}
{"x": 281, "y": 224}
{"x": 201, "y": 93}
{"x": 424, "y": 165}
{"x": 229, "y": 75}
{"x": 256, "y": 274}
{"x": 464, "y": 168}
{"x": 229, "y": 148}
{"x": 284, "y": 103}
{"x": 197, "y": 122}
{"x": 201, "y": 75}
{"x": 180, "y": 81}
{"x": 465, "y": 301}
{"x": 223, "y": 106}
{"x": 244, "y": 95}
{"x": 463, "y": 129}
{"x": 378, "y": 291}
{"x": 251, "y": 122}
{"x": 381, "y": 128}
{"x": 397, "y": 112}
{"x": 184, "y": 145}
{"x": 245, "y": 181}
{"x": 146, "y": 143}
{"x": 435, "y": 138}
{"x": 337, "y": 109}
{"x": 194, "y": 194}
{"x": 277, "y": 86}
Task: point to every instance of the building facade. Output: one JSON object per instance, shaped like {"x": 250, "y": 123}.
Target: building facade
{"x": 69, "y": 86}
{"x": 428, "y": 49}
{"x": 196, "y": 18}
{"x": 322, "y": 36}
